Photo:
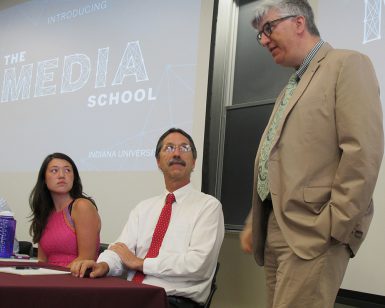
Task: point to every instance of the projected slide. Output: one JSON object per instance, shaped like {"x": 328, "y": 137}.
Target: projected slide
{"x": 357, "y": 25}
{"x": 99, "y": 80}
{"x": 372, "y": 21}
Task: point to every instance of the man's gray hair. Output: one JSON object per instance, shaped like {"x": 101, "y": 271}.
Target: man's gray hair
{"x": 285, "y": 8}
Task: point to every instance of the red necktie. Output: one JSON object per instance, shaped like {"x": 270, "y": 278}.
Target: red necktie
{"x": 159, "y": 232}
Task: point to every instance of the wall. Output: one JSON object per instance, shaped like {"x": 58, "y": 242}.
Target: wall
{"x": 240, "y": 281}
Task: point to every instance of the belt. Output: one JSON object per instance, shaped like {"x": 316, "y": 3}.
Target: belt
{"x": 178, "y": 301}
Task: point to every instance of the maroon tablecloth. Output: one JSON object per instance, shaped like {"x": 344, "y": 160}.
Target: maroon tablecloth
{"x": 56, "y": 291}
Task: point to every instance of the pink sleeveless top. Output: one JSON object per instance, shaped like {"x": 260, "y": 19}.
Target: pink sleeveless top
{"x": 58, "y": 240}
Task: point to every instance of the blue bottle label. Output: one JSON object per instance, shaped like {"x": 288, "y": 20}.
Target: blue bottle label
{"x": 7, "y": 236}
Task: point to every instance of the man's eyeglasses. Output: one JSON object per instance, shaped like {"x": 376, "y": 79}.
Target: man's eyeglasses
{"x": 267, "y": 28}
{"x": 171, "y": 148}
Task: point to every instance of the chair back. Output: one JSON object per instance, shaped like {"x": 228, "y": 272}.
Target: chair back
{"x": 26, "y": 248}
{"x": 213, "y": 288}
{"x": 102, "y": 247}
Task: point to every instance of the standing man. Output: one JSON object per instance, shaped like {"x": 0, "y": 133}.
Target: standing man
{"x": 184, "y": 261}
{"x": 317, "y": 163}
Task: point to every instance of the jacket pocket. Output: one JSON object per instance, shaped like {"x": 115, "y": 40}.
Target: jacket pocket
{"x": 317, "y": 198}
{"x": 316, "y": 194}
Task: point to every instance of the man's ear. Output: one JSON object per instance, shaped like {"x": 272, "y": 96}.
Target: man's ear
{"x": 300, "y": 22}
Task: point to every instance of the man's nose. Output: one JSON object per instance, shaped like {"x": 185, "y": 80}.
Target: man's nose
{"x": 177, "y": 152}
{"x": 264, "y": 40}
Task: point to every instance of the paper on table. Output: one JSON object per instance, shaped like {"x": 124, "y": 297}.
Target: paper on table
{"x": 31, "y": 271}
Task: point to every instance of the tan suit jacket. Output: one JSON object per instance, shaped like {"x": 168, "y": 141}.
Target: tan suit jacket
{"x": 326, "y": 156}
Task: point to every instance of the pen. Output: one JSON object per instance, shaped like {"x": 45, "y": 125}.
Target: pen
{"x": 25, "y": 267}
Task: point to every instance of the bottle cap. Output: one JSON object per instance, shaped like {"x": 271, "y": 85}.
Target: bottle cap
{"x": 6, "y": 213}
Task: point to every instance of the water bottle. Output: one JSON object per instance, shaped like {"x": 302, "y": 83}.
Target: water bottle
{"x": 7, "y": 233}
{"x": 4, "y": 207}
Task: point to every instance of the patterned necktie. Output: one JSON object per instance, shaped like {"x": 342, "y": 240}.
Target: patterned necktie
{"x": 159, "y": 232}
{"x": 263, "y": 181}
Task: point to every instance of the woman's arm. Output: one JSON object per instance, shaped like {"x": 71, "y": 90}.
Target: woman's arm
{"x": 41, "y": 255}
{"x": 87, "y": 226}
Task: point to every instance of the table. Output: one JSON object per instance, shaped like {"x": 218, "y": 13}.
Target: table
{"x": 57, "y": 291}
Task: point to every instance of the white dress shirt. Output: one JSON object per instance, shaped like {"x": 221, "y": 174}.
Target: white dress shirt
{"x": 189, "y": 252}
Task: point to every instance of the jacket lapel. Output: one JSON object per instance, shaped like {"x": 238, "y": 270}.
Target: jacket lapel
{"x": 302, "y": 85}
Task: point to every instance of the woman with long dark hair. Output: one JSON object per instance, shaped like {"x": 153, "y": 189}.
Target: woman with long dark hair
{"x": 65, "y": 222}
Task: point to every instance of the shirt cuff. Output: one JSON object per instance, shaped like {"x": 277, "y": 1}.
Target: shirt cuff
{"x": 113, "y": 261}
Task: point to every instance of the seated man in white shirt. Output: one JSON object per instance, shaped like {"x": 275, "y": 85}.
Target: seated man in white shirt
{"x": 189, "y": 250}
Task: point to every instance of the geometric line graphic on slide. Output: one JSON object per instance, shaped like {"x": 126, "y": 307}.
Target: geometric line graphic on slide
{"x": 372, "y": 21}
{"x": 175, "y": 93}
